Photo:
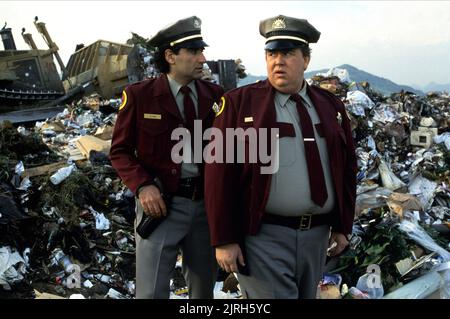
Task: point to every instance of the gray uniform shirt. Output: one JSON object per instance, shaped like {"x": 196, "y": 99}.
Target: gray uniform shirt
{"x": 290, "y": 193}
{"x": 187, "y": 169}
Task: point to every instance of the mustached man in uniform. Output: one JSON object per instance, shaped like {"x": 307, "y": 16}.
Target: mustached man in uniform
{"x": 141, "y": 154}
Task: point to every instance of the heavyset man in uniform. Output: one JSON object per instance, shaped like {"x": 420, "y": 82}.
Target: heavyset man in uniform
{"x": 273, "y": 229}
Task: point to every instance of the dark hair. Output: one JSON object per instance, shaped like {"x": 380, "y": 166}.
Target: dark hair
{"x": 306, "y": 51}
{"x": 160, "y": 59}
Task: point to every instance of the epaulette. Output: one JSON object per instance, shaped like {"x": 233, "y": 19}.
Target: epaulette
{"x": 256, "y": 85}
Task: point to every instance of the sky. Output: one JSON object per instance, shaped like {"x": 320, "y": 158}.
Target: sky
{"x": 407, "y": 42}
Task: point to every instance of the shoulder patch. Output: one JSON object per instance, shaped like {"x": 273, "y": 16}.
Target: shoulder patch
{"x": 124, "y": 100}
{"x": 218, "y": 108}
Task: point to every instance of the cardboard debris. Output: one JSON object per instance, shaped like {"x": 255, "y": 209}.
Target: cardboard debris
{"x": 44, "y": 169}
{"x": 399, "y": 203}
{"x": 104, "y": 133}
{"x": 329, "y": 87}
{"x": 45, "y": 295}
{"x": 87, "y": 143}
{"x": 55, "y": 126}
{"x": 76, "y": 155}
{"x": 404, "y": 265}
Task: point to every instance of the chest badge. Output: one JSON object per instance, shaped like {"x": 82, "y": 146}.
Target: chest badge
{"x": 339, "y": 118}
{"x": 151, "y": 116}
{"x": 218, "y": 108}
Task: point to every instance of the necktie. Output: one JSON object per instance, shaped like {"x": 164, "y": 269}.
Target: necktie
{"x": 315, "y": 172}
{"x": 189, "y": 109}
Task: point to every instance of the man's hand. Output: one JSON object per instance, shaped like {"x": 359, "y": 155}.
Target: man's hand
{"x": 337, "y": 243}
{"x": 152, "y": 201}
{"x": 227, "y": 255}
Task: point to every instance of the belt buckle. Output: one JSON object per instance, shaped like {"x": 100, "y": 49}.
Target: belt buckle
{"x": 305, "y": 222}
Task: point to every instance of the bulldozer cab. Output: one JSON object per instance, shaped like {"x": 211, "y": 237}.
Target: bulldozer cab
{"x": 27, "y": 77}
{"x": 104, "y": 63}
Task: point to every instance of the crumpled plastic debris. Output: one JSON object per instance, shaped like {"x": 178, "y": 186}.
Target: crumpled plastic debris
{"x": 355, "y": 293}
{"x": 384, "y": 113}
{"x": 418, "y": 234}
{"x": 388, "y": 178}
{"x": 359, "y": 99}
{"x": 12, "y": 267}
{"x": 372, "y": 199}
{"x": 342, "y": 74}
{"x": 19, "y": 169}
{"x": 101, "y": 222}
{"x": 424, "y": 190}
{"x": 444, "y": 270}
{"x": 394, "y": 138}
{"x": 443, "y": 138}
{"x": 85, "y": 119}
{"x": 114, "y": 294}
{"x": 371, "y": 286}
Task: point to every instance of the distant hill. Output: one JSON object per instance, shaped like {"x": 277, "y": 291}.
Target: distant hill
{"x": 383, "y": 85}
{"x": 433, "y": 87}
{"x": 378, "y": 83}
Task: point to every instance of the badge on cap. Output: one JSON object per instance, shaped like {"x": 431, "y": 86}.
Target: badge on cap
{"x": 124, "y": 100}
{"x": 197, "y": 23}
{"x": 218, "y": 108}
{"x": 279, "y": 23}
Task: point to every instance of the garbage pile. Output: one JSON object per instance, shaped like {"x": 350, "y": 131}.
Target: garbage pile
{"x": 66, "y": 219}
{"x": 403, "y": 149}
{"x": 74, "y": 218}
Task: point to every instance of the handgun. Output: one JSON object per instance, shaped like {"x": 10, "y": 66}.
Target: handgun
{"x": 148, "y": 223}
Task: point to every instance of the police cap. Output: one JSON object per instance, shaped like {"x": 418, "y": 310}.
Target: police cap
{"x": 283, "y": 32}
{"x": 185, "y": 33}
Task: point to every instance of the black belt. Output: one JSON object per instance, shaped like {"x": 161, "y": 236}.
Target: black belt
{"x": 191, "y": 188}
{"x": 303, "y": 222}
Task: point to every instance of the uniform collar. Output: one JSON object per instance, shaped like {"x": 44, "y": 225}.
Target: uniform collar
{"x": 283, "y": 98}
{"x": 175, "y": 87}
{"x": 304, "y": 91}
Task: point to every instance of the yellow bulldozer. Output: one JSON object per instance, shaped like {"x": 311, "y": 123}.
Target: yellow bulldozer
{"x": 30, "y": 79}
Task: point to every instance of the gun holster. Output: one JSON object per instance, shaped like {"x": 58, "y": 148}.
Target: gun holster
{"x": 148, "y": 223}
{"x": 244, "y": 270}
